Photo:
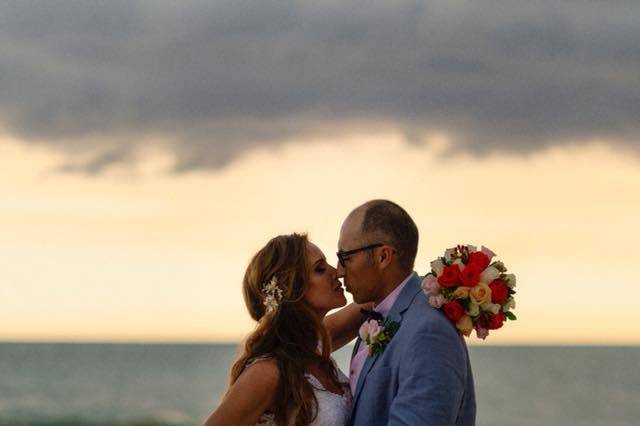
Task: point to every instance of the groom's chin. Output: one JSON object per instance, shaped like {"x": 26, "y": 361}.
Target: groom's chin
{"x": 357, "y": 299}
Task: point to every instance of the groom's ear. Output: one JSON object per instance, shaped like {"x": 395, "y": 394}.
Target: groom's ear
{"x": 385, "y": 255}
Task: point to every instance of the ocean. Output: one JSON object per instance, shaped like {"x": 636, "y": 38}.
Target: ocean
{"x": 56, "y": 384}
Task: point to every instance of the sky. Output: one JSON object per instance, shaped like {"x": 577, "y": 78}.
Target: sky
{"x": 148, "y": 149}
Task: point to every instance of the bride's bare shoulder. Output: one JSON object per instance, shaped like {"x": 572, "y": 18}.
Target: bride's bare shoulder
{"x": 263, "y": 372}
{"x": 249, "y": 397}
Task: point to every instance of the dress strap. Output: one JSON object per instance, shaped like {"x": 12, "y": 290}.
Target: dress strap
{"x": 258, "y": 359}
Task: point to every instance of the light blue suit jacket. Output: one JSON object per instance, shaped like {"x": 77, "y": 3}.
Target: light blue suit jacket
{"x": 423, "y": 377}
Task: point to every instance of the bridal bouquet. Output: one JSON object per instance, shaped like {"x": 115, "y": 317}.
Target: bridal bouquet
{"x": 473, "y": 291}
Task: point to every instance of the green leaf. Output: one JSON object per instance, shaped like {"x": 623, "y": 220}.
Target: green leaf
{"x": 510, "y": 315}
{"x": 465, "y": 303}
{"x": 391, "y": 328}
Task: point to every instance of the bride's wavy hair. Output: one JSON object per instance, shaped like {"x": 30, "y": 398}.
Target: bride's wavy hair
{"x": 290, "y": 333}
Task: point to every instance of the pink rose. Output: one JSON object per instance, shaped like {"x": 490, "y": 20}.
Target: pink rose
{"x": 430, "y": 284}
{"x": 482, "y": 333}
{"x": 370, "y": 329}
{"x": 437, "y": 300}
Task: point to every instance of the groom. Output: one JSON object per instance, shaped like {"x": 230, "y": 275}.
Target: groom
{"x": 423, "y": 376}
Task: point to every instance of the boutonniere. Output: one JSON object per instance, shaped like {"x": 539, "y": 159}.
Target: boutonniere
{"x": 378, "y": 334}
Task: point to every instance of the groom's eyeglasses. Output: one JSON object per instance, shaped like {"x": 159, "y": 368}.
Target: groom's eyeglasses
{"x": 343, "y": 255}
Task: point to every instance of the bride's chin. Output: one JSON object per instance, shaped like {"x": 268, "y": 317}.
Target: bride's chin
{"x": 342, "y": 302}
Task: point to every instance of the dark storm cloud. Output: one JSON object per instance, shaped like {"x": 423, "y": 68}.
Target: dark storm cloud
{"x": 97, "y": 79}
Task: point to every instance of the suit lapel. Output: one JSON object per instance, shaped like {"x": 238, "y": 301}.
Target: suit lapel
{"x": 356, "y": 347}
{"x": 368, "y": 363}
{"x": 401, "y": 304}
{"x": 405, "y": 297}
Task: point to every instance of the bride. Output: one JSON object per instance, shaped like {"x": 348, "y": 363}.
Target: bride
{"x": 285, "y": 374}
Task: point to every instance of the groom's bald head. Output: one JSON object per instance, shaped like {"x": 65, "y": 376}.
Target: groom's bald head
{"x": 385, "y": 221}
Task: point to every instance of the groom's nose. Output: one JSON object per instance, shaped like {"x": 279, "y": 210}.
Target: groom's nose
{"x": 339, "y": 270}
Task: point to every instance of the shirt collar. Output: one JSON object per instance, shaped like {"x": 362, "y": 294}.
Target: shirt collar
{"x": 387, "y": 303}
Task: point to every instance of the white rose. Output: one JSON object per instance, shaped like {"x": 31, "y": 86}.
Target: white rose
{"x": 474, "y": 310}
{"x": 437, "y": 300}
{"x": 472, "y": 248}
{"x": 465, "y": 325}
{"x": 509, "y": 304}
{"x": 511, "y": 280}
{"x": 488, "y": 252}
{"x": 437, "y": 266}
{"x": 480, "y": 294}
{"x": 489, "y": 274}
{"x": 375, "y": 331}
{"x": 448, "y": 253}
{"x": 491, "y": 307}
{"x": 461, "y": 292}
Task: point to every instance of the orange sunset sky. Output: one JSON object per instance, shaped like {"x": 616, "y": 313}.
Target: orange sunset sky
{"x": 143, "y": 255}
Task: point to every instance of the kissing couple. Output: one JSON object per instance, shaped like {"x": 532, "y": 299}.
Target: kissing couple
{"x": 409, "y": 365}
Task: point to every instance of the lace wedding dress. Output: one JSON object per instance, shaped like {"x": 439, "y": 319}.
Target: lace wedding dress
{"x": 333, "y": 408}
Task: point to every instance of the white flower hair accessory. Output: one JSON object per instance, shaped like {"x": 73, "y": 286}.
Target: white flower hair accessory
{"x": 273, "y": 295}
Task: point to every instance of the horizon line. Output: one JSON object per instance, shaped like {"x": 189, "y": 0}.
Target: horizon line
{"x": 237, "y": 343}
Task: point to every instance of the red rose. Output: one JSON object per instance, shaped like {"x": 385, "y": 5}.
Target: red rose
{"x": 453, "y": 310}
{"x": 450, "y": 276}
{"x": 471, "y": 275}
{"x": 499, "y": 291}
{"x": 496, "y": 321}
{"x": 479, "y": 259}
